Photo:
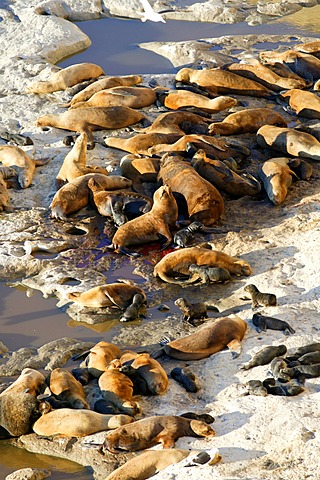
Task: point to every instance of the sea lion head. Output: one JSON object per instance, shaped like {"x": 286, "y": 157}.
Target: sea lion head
{"x": 162, "y": 193}
{"x": 202, "y": 429}
{"x": 244, "y": 268}
{"x": 183, "y": 75}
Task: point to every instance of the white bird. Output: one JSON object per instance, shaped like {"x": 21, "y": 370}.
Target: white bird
{"x": 150, "y": 14}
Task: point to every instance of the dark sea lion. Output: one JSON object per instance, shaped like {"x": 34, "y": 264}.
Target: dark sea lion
{"x": 304, "y": 103}
{"x": 132, "y": 312}
{"x": 149, "y": 431}
{"x": 133, "y": 97}
{"x": 255, "y": 387}
{"x": 186, "y": 378}
{"x": 192, "y": 311}
{"x": 277, "y": 365}
{"x": 65, "y": 387}
{"x": 21, "y": 140}
{"x": 263, "y": 322}
{"x": 273, "y": 388}
{"x": 203, "y": 417}
{"x": 248, "y": 120}
{"x": 218, "y": 81}
{"x": 77, "y": 423}
{"x": 312, "y": 347}
{"x": 264, "y": 356}
{"x": 18, "y": 411}
{"x": 66, "y": 77}
{"x": 178, "y": 262}
{"x": 276, "y": 176}
{"x": 304, "y": 64}
{"x": 205, "y": 203}
{"x": 219, "y": 334}
{"x": 259, "y": 298}
{"x": 182, "y": 237}
{"x": 75, "y": 195}
{"x": 15, "y": 157}
{"x": 99, "y": 357}
{"x": 303, "y": 371}
{"x": 176, "y": 99}
{"x": 210, "y": 274}
{"x": 309, "y": 358}
{"x": 141, "y": 143}
{"x": 151, "y": 226}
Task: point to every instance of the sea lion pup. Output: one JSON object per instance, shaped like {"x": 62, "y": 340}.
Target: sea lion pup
{"x": 248, "y": 120}
{"x": 264, "y": 356}
{"x": 90, "y": 119}
{"x": 312, "y": 347}
{"x": 15, "y": 157}
{"x": 255, "y": 70}
{"x": 149, "y": 369}
{"x": 66, "y": 77}
{"x": 139, "y": 169}
{"x": 18, "y": 411}
{"x": 102, "y": 84}
{"x": 301, "y": 372}
{"x": 133, "y": 97}
{"x": 75, "y": 163}
{"x": 133, "y": 311}
{"x": 289, "y": 141}
{"x": 205, "y": 203}
{"x": 221, "y": 333}
{"x": 151, "y": 226}
{"x": 192, "y": 311}
{"x": 29, "y": 381}
{"x": 77, "y": 423}
{"x": 142, "y": 142}
{"x": 178, "y": 123}
{"x": 99, "y": 357}
{"x": 259, "y": 298}
{"x": 216, "y": 81}
{"x": 263, "y": 322}
{"x": 305, "y": 65}
{"x": 176, "y": 99}
{"x": 65, "y": 387}
{"x": 276, "y": 176}
{"x": 75, "y": 195}
{"x": 178, "y": 262}
{"x": 149, "y": 431}
{"x": 186, "y": 378}
{"x": 304, "y": 103}
{"x": 223, "y": 178}
{"x": 210, "y": 274}
{"x": 117, "y": 389}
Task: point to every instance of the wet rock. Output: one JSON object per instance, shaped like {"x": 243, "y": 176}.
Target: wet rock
{"x": 28, "y": 474}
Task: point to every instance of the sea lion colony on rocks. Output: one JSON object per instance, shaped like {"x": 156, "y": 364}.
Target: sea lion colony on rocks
{"x": 202, "y": 201}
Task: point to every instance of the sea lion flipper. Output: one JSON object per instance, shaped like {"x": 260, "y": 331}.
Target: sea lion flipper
{"x": 235, "y": 348}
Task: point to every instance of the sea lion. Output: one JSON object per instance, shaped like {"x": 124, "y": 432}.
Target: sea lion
{"x": 29, "y": 381}
{"x": 15, "y": 157}
{"x": 178, "y": 262}
{"x": 90, "y": 119}
{"x": 133, "y": 97}
{"x": 99, "y": 357}
{"x": 253, "y": 387}
{"x": 205, "y": 203}
{"x": 312, "y": 47}
{"x": 186, "y": 378}
{"x": 203, "y": 417}
{"x": 223, "y": 178}
{"x": 66, "y": 388}
{"x": 264, "y": 356}
{"x": 221, "y": 333}
{"x": 255, "y": 70}
{"x": 118, "y": 295}
{"x": 248, "y": 120}
{"x": 102, "y": 84}
{"x": 18, "y": 411}
{"x": 216, "y": 81}
{"x": 75, "y": 163}
{"x": 312, "y": 347}
{"x": 75, "y": 195}
{"x": 117, "y": 389}
{"x": 209, "y": 274}
{"x": 276, "y": 366}
{"x": 262, "y": 322}
{"x": 276, "y": 176}
{"x": 304, "y": 103}
{"x": 301, "y": 372}
{"x": 77, "y": 423}
{"x": 150, "y": 226}
{"x": 149, "y": 431}
{"x": 192, "y": 311}
{"x": 176, "y": 99}
{"x": 305, "y": 65}
{"x": 139, "y": 169}
{"x": 178, "y": 123}
{"x": 259, "y": 298}
{"x": 132, "y": 312}
{"x": 141, "y": 143}
{"x": 4, "y": 195}
{"x": 66, "y": 77}
{"x": 182, "y": 237}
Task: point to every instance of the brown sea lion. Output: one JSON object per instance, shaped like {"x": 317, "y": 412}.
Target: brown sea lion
{"x": 178, "y": 262}
{"x": 90, "y": 119}
{"x": 66, "y": 77}
{"x": 204, "y": 202}
{"x": 110, "y": 295}
{"x": 304, "y": 103}
{"x": 139, "y": 169}
{"x": 276, "y": 176}
{"x": 150, "y": 226}
{"x": 77, "y": 423}
{"x": 223, "y": 178}
{"x": 304, "y": 64}
{"x": 178, "y": 123}
{"x": 30, "y": 381}
{"x": 75, "y": 195}
{"x": 104, "y": 83}
{"x": 248, "y": 120}
{"x": 289, "y": 141}
{"x": 99, "y": 358}
{"x": 65, "y": 387}
{"x": 221, "y": 333}
{"x": 255, "y": 70}
{"x": 18, "y": 411}
{"x": 15, "y": 157}
{"x": 218, "y": 81}
{"x": 75, "y": 163}
{"x": 4, "y": 195}
{"x": 176, "y": 99}
{"x": 133, "y": 97}
{"x": 141, "y": 143}
{"x": 152, "y": 430}
{"x": 312, "y": 47}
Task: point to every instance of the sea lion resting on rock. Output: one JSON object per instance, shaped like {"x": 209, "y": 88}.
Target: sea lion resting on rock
{"x": 150, "y": 226}
{"x": 264, "y": 356}
{"x": 304, "y": 103}
{"x": 178, "y": 262}
{"x": 262, "y": 322}
{"x": 29, "y": 380}
{"x": 90, "y": 119}
{"x": 192, "y": 311}
{"x": 4, "y": 195}
{"x": 75, "y": 163}
{"x": 210, "y": 274}
{"x": 99, "y": 357}
{"x": 15, "y": 157}
{"x": 312, "y": 47}
{"x": 221, "y": 333}
{"x": 176, "y": 99}
{"x": 205, "y": 203}
{"x": 276, "y": 176}
{"x": 66, "y": 77}
{"x": 178, "y": 123}
{"x": 289, "y": 141}
{"x": 109, "y": 295}
{"x": 132, "y": 312}
{"x": 259, "y": 298}
{"x": 66, "y": 388}
{"x": 77, "y": 423}
{"x": 133, "y": 97}
{"x": 248, "y": 120}
{"x": 75, "y": 195}
{"x": 149, "y": 431}
{"x": 142, "y": 142}
{"x": 139, "y": 169}
{"x": 305, "y": 65}
{"x": 18, "y": 411}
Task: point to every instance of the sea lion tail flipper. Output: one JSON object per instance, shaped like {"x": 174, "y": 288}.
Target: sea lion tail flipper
{"x": 235, "y": 348}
